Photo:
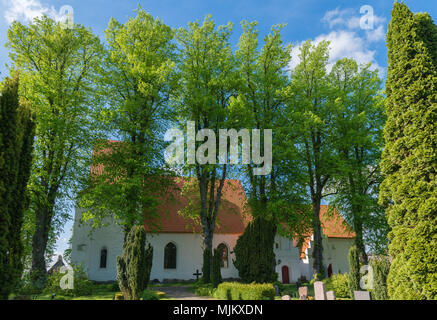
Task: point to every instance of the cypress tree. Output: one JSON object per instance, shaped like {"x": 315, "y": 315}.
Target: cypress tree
{"x": 216, "y": 278}
{"x": 254, "y": 256}
{"x": 354, "y": 270}
{"x": 16, "y": 144}
{"x": 409, "y": 190}
{"x": 381, "y": 267}
{"x": 134, "y": 265}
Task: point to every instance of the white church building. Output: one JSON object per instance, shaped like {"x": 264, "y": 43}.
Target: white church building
{"x": 177, "y": 246}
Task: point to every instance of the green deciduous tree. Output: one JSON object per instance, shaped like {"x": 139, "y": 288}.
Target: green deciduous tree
{"x": 58, "y": 70}
{"x": 409, "y": 189}
{"x": 207, "y": 72}
{"x": 360, "y": 120}
{"x": 139, "y": 79}
{"x": 260, "y": 105}
{"x": 276, "y": 195}
{"x": 253, "y": 262}
{"x": 311, "y": 108}
{"x": 16, "y": 144}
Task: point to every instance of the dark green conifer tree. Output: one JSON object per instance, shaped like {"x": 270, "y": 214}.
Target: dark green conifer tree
{"x": 135, "y": 264}
{"x": 409, "y": 160}
{"x": 254, "y": 257}
{"x": 381, "y": 267}
{"x": 354, "y": 270}
{"x": 16, "y": 144}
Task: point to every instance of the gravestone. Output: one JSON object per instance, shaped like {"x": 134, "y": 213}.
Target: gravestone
{"x": 303, "y": 293}
{"x": 362, "y": 295}
{"x": 319, "y": 290}
{"x": 330, "y": 295}
{"x": 287, "y": 297}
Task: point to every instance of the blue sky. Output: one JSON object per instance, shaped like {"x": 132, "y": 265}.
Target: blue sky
{"x": 337, "y": 21}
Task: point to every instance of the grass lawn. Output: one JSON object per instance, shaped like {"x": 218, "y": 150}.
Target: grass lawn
{"x": 100, "y": 292}
{"x": 172, "y": 284}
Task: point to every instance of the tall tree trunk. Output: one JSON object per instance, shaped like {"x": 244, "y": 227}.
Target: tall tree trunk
{"x": 318, "y": 246}
{"x": 359, "y": 242}
{"x": 39, "y": 245}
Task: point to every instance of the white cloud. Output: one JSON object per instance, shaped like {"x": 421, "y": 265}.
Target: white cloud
{"x": 27, "y": 10}
{"x": 337, "y": 17}
{"x": 349, "y": 19}
{"x": 347, "y": 39}
{"x": 376, "y": 35}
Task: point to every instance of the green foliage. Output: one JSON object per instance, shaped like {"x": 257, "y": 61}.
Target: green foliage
{"x": 262, "y": 73}
{"x": 16, "y": 144}
{"x": 354, "y": 270}
{"x": 381, "y": 267}
{"x": 339, "y": 283}
{"x": 204, "y": 290}
{"x": 138, "y": 78}
{"x": 360, "y": 118}
{"x": 240, "y": 291}
{"x": 149, "y": 295}
{"x": 216, "y": 278}
{"x": 119, "y": 296}
{"x": 206, "y": 267}
{"x": 310, "y": 110}
{"x": 254, "y": 256}
{"x": 82, "y": 285}
{"x": 206, "y": 86}
{"x": 134, "y": 265}
{"x": 58, "y": 75}
{"x": 409, "y": 189}
{"x": 287, "y": 289}
{"x": 316, "y": 277}
{"x": 115, "y": 286}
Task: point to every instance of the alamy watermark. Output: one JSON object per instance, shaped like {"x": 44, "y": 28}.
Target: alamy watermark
{"x": 67, "y": 281}
{"x": 367, "y": 21}
{"x": 207, "y": 152}
{"x": 366, "y": 281}
{"x": 66, "y": 14}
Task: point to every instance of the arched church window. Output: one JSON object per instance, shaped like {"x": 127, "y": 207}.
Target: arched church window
{"x": 170, "y": 256}
{"x": 103, "y": 257}
{"x": 223, "y": 251}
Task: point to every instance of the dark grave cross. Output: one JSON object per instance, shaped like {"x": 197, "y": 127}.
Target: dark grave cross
{"x": 197, "y": 274}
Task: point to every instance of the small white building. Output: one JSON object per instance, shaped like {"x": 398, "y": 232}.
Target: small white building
{"x": 177, "y": 247}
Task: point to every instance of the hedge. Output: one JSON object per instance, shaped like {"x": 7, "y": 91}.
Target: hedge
{"x": 240, "y": 291}
{"x": 339, "y": 283}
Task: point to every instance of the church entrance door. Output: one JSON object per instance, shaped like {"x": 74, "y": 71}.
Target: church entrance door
{"x": 285, "y": 275}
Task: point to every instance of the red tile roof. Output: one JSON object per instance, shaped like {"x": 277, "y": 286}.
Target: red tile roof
{"x": 333, "y": 226}
{"x": 232, "y": 217}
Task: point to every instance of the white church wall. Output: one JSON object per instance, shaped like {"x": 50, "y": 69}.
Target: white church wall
{"x": 86, "y": 248}
{"x": 287, "y": 256}
{"x": 336, "y": 252}
{"x": 109, "y": 237}
{"x": 188, "y": 255}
